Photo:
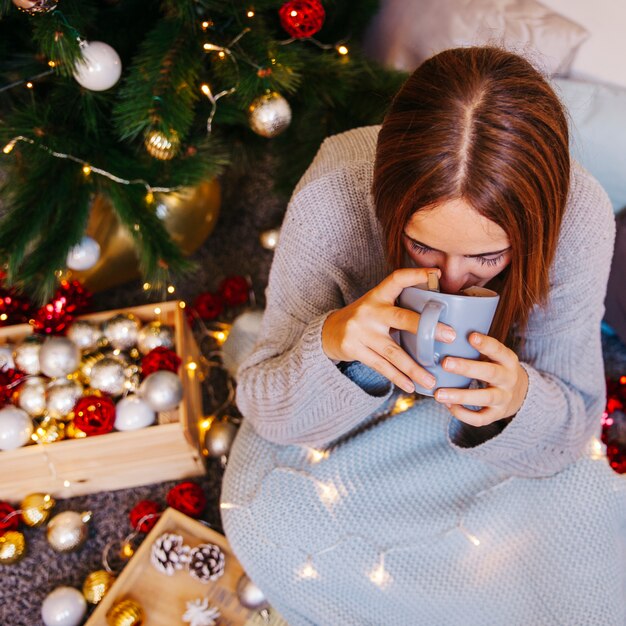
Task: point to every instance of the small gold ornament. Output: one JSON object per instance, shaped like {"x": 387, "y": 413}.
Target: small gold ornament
{"x": 96, "y": 585}
{"x": 161, "y": 146}
{"x": 73, "y": 432}
{"x": 67, "y": 531}
{"x": 12, "y": 547}
{"x": 36, "y": 508}
{"x": 269, "y": 114}
{"x": 49, "y": 430}
{"x": 125, "y": 613}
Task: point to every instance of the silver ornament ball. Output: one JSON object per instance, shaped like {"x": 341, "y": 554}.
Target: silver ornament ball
{"x": 61, "y": 396}
{"x": 241, "y": 340}
{"x": 58, "y": 357}
{"x": 85, "y": 334}
{"x": 250, "y": 596}
{"x": 162, "y": 390}
{"x": 67, "y": 531}
{"x": 16, "y": 427}
{"x": 100, "y": 68}
{"x": 31, "y": 396}
{"x": 84, "y": 255}
{"x": 154, "y": 335}
{"x": 65, "y": 606}
{"x": 269, "y": 114}
{"x": 26, "y": 355}
{"x": 219, "y": 438}
{"x": 108, "y": 375}
{"x": 132, "y": 413}
{"x": 122, "y": 330}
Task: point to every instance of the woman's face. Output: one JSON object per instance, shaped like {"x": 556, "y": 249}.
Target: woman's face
{"x": 468, "y": 248}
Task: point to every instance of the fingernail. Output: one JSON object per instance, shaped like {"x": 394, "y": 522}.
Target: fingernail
{"x": 476, "y": 339}
{"x": 449, "y": 334}
{"x": 449, "y": 365}
{"x": 408, "y": 387}
{"x": 429, "y": 382}
{"x": 442, "y": 395}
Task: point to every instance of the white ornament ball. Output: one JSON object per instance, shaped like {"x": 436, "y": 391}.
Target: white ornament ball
{"x": 269, "y": 114}
{"x": 241, "y": 340}
{"x": 6, "y": 357}
{"x": 154, "y": 335}
{"x": 250, "y": 595}
{"x": 65, "y": 606}
{"x": 162, "y": 390}
{"x": 31, "y": 396}
{"x": 100, "y": 67}
{"x": 58, "y": 357}
{"x": 83, "y": 255}
{"x": 108, "y": 375}
{"x": 16, "y": 427}
{"x": 61, "y": 396}
{"x": 85, "y": 334}
{"x": 133, "y": 413}
{"x": 122, "y": 331}
{"x": 26, "y": 355}
{"x": 67, "y": 531}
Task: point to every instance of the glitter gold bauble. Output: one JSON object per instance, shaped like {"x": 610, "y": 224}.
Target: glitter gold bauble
{"x": 161, "y": 146}
{"x": 96, "y": 585}
{"x": 269, "y": 114}
{"x": 67, "y": 531}
{"x": 125, "y": 613}
{"x": 73, "y": 432}
{"x": 36, "y": 508}
{"x": 12, "y": 547}
{"x": 49, "y": 430}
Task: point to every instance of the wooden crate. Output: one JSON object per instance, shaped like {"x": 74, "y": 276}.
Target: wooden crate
{"x": 164, "y": 598}
{"x": 117, "y": 460}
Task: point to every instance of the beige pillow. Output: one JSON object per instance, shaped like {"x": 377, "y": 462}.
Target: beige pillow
{"x": 406, "y": 32}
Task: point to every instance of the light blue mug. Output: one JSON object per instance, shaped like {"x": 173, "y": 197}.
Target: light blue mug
{"x": 472, "y": 310}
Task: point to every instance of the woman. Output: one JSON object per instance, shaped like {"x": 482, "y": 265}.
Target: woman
{"x": 349, "y": 502}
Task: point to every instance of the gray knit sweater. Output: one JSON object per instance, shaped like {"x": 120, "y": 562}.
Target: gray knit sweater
{"x": 331, "y": 252}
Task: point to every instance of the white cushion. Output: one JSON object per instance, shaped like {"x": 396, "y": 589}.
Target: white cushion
{"x": 405, "y": 33}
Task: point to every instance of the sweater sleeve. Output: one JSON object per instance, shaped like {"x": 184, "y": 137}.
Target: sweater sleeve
{"x": 562, "y": 352}
{"x": 288, "y": 389}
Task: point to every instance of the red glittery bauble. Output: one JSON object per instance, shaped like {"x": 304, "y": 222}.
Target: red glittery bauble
{"x": 11, "y": 523}
{"x": 188, "y": 498}
{"x": 614, "y": 424}
{"x": 52, "y": 318}
{"x": 160, "y": 359}
{"x": 14, "y": 309}
{"x": 77, "y": 297}
{"x": 8, "y": 383}
{"x": 94, "y": 415}
{"x": 208, "y": 305}
{"x": 141, "y": 510}
{"x": 235, "y": 290}
{"x": 302, "y": 18}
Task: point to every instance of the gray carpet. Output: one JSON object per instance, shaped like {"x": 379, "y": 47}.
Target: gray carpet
{"x": 248, "y": 208}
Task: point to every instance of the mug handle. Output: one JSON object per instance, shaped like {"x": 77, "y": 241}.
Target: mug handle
{"x": 425, "y": 336}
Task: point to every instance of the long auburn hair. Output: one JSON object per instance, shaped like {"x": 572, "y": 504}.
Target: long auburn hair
{"x": 483, "y": 125}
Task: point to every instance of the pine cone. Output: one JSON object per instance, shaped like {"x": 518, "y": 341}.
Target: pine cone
{"x": 169, "y": 554}
{"x": 206, "y": 562}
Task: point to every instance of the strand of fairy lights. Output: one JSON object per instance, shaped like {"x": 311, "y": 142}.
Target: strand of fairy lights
{"x": 330, "y": 495}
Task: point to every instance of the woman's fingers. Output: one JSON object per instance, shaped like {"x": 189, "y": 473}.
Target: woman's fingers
{"x": 486, "y": 371}
{"x": 405, "y": 319}
{"x": 391, "y": 287}
{"x": 490, "y": 396}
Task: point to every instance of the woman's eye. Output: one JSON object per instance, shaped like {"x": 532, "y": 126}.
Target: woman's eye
{"x": 490, "y": 261}
{"x": 418, "y": 248}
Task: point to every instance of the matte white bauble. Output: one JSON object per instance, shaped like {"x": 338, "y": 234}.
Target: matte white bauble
{"x": 84, "y": 255}
{"x": 132, "y": 413}
{"x": 100, "y": 67}
{"x": 58, "y": 357}
{"x": 162, "y": 390}
{"x": 16, "y": 427}
{"x": 65, "y": 606}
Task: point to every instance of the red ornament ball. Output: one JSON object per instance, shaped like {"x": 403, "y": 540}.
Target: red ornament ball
{"x": 14, "y": 309}
{"x": 9, "y": 380}
{"x": 160, "y": 359}
{"x": 302, "y": 18}
{"x": 188, "y": 498}
{"x": 52, "y": 318}
{"x": 235, "y": 290}
{"x": 94, "y": 415}
{"x": 140, "y": 511}
{"x": 7, "y": 524}
{"x": 77, "y": 297}
{"x": 208, "y": 306}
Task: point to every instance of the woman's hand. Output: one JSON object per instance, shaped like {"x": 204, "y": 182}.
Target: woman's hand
{"x": 507, "y": 383}
{"x": 360, "y": 331}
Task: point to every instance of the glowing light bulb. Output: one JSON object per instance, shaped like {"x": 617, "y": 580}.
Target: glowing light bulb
{"x": 307, "y": 571}
{"x": 171, "y": 289}
{"x": 86, "y": 170}
{"x": 52, "y": 63}
{"x": 29, "y": 85}
{"x": 343, "y": 50}
{"x": 192, "y": 366}
{"x": 9, "y": 147}
{"x": 157, "y": 310}
{"x": 149, "y": 198}
{"x": 380, "y": 576}
{"x": 146, "y": 286}
{"x": 221, "y": 54}
{"x": 182, "y": 304}
{"x": 205, "y": 89}
{"x": 250, "y": 13}
{"x": 315, "y": 456}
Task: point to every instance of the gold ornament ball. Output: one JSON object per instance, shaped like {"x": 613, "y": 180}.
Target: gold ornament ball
{"x": 161, "y": 146}
{"x": 36, "y": 508}
{"x": 49, "y": 430}
{"x": 12, "y": 547}
{"x": 67, "y": 531}
{"x": 125, "y": 613}
{"x": 96, "y": 585}
{"x": 269, "y": 114}
{"x": 73, "y": 432}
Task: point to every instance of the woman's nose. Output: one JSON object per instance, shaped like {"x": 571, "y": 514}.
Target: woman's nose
{"x": 453, "y": 278}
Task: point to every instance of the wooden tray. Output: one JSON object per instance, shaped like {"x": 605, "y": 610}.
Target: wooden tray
{"x": 164, "y": 598}
{"x": 117, "y": 460}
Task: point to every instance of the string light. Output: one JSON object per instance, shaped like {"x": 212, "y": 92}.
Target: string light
{"x": 308, "y": 571}
{"x": 171, "y": 289}
{"x": 343, "y": 50}
{"x": 315, "y": 456}
{"x": 9, "y": 147}
{"x": 157, "y": 310}
{"x": 29, "y": 85}
{"x": 86, "y": 170}
{"x": 192, "y": 366}
{"x": 379, "y": 575}
{"x": 149, "y": 198}
{"x": 250, "y": 14}
{"x": 182, "y": 304}
{"x": 147, "y": 286}
{"x": 206, "y": 24}
{"x": 52, "y": 63}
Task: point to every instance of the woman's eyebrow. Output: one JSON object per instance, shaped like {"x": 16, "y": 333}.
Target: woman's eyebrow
{"x": 470, "y": 256}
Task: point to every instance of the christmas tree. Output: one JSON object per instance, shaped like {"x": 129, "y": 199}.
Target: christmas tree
{"x": 126, "y": 99}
